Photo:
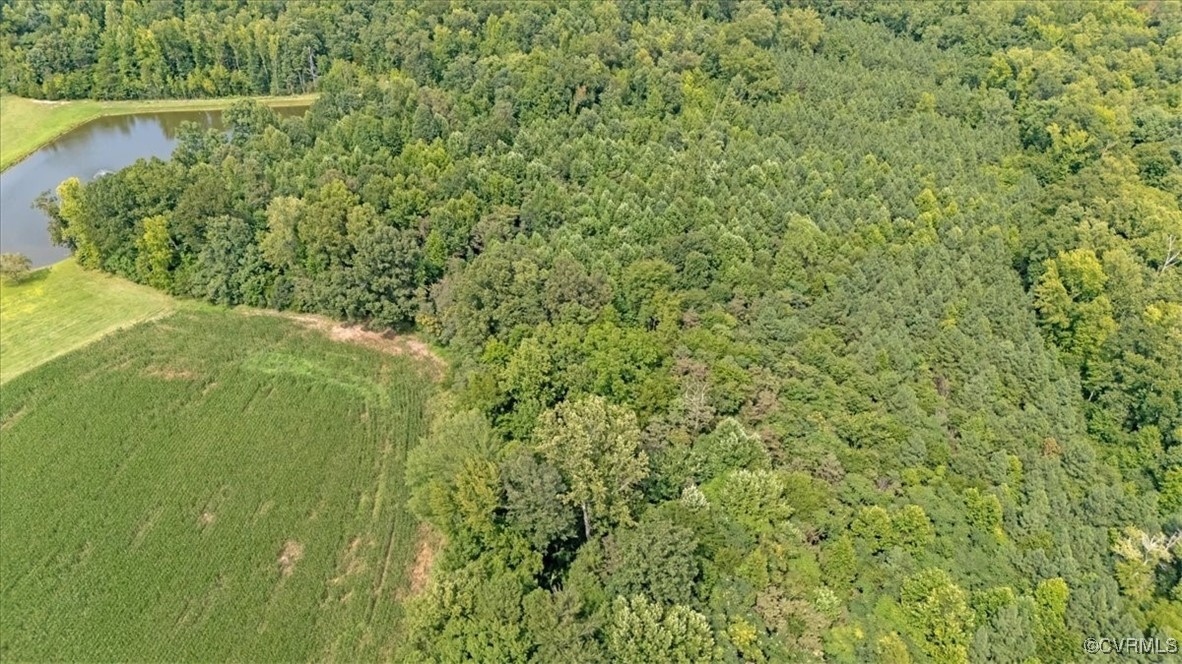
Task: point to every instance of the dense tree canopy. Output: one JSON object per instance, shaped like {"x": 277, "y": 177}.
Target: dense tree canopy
{"x": 781, "y": 330}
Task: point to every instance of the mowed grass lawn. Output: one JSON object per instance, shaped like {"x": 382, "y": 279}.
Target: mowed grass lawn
{"x": 27, "y": 124}
{"x": 208, "y": 486}
{"x": 63, "y": 307}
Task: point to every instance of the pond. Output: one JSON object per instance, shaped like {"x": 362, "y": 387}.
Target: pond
{"x": 101, "y": 145}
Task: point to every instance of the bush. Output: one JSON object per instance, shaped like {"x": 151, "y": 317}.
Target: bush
{"x": 14, "y": 267}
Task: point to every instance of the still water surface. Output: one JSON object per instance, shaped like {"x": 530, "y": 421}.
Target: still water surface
{"x": 104, "y": 144}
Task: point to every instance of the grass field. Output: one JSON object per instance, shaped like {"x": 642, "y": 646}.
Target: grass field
{"x": 27, "y": 124}
{"x": 63, "y": 307}
{"x": 210, "y": 485}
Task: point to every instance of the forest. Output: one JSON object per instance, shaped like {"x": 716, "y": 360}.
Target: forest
{"x": 780, "y": 330}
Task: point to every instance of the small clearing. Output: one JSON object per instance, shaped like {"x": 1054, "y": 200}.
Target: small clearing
{"x": 291, "y": 554}
{"x": 387, "y": 342}
{"x": 427, "y": 546}
{"x": 352, "y": 563}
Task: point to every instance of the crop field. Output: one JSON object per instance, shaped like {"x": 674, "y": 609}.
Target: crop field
{"x": 62, "y": 307}
{"x": 212, "y": 486}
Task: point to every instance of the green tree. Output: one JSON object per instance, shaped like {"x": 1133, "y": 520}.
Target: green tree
{"x": 74, "y": 227}
{"x": 891, "y": 649}
{"x": 754, "y": 498}
{"x": 156, "y": 253}
{"x": 938, "y": 611}
{"x": 281, "y": 244}
{"x": 1071, "y": 301}
{"x": 656, "y": 559}
{"x": 433, "y": 466}
{"x": 533, "y": 501}
{"x": 475, "y": 615}
{"x": 1050, "y": 612}
{"x": 913, "y": 528}
{"x": 558, "y": 624}
{"x": 839, "y": 561}
{"x": 14, "y": 267}
{"x": 221, "y": 266}
{"x": 728, "y": 447}
{"x": 596, "y": 447}
{"x": 640, "y": 630}
{"x": 322, "y": 231}
{"x": 1006, "y": 633}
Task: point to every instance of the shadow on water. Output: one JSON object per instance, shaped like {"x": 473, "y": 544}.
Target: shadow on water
{"x": 103, "y": 145}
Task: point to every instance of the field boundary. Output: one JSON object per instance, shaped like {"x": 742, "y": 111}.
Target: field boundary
{"x": 62, "y": 307}
{"x": 388, "y": 341}
{"x": 115, "y": 329}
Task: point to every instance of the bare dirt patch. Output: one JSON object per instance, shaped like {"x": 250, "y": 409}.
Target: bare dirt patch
{"x": 427, "y": 546}
{"x": 207, "y": 518}
{"x": 291, "y": 554}
{"x": 390, "y": 343}
{"x": 169, "y": 373}
{"x": 352, "y": 563}
{"x": 386, "y": 342}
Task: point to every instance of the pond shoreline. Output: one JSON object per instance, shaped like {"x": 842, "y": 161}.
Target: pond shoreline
{"x": 44, "y": 121}
{"x": 95, "y": 146}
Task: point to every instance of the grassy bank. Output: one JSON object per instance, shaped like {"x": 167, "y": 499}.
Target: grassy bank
{"x": 63, "y": 307}
{"x": 211, "y": 486}
{"x": 27, "y": 124}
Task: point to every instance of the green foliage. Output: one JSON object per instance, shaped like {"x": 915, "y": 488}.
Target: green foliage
{"x": 72, "y": 228}
{"x": 656, "y": 559}
{"x": 891, "y": 649}
{"x": 475, "y": 613}
{"x": 754, "y": 498}
{"x": 14, "y": 267}
{"x": 595, "y": 446}
{"x": 155, "y": 253}
{"x": 728, "y": 447}
{"x": 839, "y": 560}
{"x": 640, "y": 630}
{"x": 1050, "y": 610}
{"x": 138, "y": 50}
{"x": 984, "y": 512}
{"x": 449, "y": 457}
{"x": 1006, "y": 632}
{"x": 873, "y": 526}
{"x": 557, "y": 623}
{"x": 939, "y": 614}
{"x": 1070, "y": 300}
{"x": 858, "y": 298}
{"x": 533, "y": 501}
{"x": 912, "y": 528}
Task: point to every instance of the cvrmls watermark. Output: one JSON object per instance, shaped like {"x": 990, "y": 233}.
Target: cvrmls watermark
{"x": 1101, "y": 645}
